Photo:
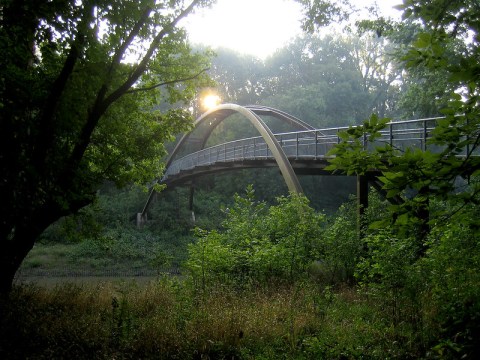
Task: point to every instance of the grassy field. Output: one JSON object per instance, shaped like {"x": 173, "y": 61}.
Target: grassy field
{"x": 49, "y": 256}
{"x": 83, "y": 281}
{"x": 165, "y": 318}
{"x": 71, "y": 260}
{"x": 101, "y": 306}
{"x": 58, "y": 311}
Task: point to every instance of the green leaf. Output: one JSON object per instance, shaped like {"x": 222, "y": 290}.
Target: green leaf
{"x": 402, "y": 219}
{"x": 392, "y": 192}
{"x": 423, "y": 40}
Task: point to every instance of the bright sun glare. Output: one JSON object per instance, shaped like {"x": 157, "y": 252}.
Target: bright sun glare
{"x": 256, "y": 27}
{"x": 210, "y": 101}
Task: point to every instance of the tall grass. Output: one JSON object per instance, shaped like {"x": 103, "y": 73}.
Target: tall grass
{"x": 167, "y": 319}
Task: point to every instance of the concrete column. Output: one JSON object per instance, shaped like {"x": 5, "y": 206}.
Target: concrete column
{"x": 362, "y": 202}
{"x": 190, "y": 202}
{"x": 141, "y": 220}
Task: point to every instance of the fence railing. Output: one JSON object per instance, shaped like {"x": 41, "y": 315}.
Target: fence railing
{"x": 308, "y": 144}
{"x": 70, "y": 272}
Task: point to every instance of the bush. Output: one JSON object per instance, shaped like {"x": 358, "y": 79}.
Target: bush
{"x": 259, "y": 243}
{"x": 451, "y": 271}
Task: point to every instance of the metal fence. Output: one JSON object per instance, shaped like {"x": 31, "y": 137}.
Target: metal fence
{"x": 309, "y": 144}
{"x": 69, "y": 272}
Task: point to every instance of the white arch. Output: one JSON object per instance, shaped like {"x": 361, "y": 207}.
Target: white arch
{"x": 226, "y": 110}
{"x": 282, "y": 161}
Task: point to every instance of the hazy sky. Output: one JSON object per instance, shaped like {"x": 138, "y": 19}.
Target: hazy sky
{"x": 256, "y": 27}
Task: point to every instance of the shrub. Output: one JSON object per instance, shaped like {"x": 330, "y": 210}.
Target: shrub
{"x": 451, "y": 273}
{"x": 259, "y": 243}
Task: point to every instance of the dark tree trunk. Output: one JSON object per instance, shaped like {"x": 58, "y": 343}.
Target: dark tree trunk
{"x": 20, "y": 239}
{"x": 12, "y": 253}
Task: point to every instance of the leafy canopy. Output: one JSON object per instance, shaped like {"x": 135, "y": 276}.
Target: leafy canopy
{"x": 449, "y": 170}
{"x": 89, "y": 92}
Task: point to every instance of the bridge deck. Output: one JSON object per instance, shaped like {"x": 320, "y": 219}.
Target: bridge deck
{"x": 306, "y": 150}
{"x": 305, "y": 166}
{"x": 299, "y": 152}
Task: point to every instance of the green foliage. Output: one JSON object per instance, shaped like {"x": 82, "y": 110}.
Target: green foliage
{"x": 428, "y": 175}
{"x": 238, "y": 77}
{"x": 327, "y": 80}
{"x": 342, "y": 248}
{"x": 80, "y": 87}
{"x": 419, "y": 278}
{"x": 258, "y": 243}
{"x": 451, "y": 267}
{"x": 353, "y": 155}
{"x": 321, "y": 13}
{"x": 432, "y": 290}
{"x": 125, "y": 245}
{"x": 386, "y": 269}
{"x": 324, "y": 88}
{"x": 423, "y": 270}
{"x": 104, "y": 237}
{"x": 435, "y": 294}
{"x": 165, "y": 320}
{"x": 75, "y": 228}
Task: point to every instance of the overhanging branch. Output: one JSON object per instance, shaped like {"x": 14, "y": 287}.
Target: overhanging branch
{"x": 125, "y": 87}
{"x": 102, "y": 103}
{"x": 170, "y": 82}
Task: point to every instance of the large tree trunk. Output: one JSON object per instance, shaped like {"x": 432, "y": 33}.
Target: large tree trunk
{"x": 17, "y": 243}
{"x": 12, "y": 253}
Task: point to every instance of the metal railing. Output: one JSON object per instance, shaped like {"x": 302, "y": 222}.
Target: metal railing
{"x": 309, "y": 144}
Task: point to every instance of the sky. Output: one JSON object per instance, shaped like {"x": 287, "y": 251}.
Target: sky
{"x": 255, "y": 27}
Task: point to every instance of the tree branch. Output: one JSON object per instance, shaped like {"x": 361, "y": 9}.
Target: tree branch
{"x": 46, "y": 134}
{"x": 170, "y": 82}
{"x": 101, "y": 103}
{"x": 117, "y": 57}
{"x": 142, "y": 66}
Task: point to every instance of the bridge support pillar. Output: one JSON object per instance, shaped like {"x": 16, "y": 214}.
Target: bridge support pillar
{"x": 141, "y": 220}
{"x": 362, "y": 203}
{"x": 190, "y": 202}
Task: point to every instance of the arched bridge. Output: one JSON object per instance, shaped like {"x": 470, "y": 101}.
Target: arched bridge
{"x": 302, "y": 151}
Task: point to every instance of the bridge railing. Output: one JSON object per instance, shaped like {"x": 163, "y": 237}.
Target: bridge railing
{"x": 309, "y": 144}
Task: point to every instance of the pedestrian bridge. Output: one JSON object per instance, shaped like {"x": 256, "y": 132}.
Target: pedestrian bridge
{"x": 301, "y": 151}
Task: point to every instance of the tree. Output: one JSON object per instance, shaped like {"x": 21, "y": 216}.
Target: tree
{"x": 319, "y": 13}
{"x": 238, "y": 76}
{"x": 319, "y": 80}
{"x": 431, "y": 174}
{"x": 78, "y": 83}
{"x": 420, "y": 91}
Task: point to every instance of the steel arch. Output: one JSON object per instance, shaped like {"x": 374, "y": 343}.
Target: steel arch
{"x": 224, "y": 111}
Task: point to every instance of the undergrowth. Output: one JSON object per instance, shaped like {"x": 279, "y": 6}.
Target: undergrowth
{"x": 169, "y": 319}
